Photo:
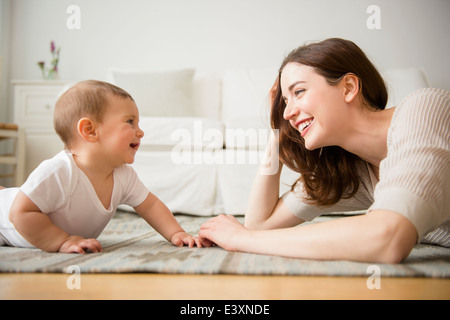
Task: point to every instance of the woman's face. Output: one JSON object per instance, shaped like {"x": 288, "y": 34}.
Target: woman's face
{"x": 313, "y": 107}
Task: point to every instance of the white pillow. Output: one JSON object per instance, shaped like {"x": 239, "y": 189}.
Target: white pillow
{"x": 402, "y": 81}
{"x": 206, "y": 95}
{"x": 246, "y": 107}
{"x": 247, "y": 133}
{"x": 158, "y": 94}
{"x": 189, "y": 132}
{"x": 245, "y": 94}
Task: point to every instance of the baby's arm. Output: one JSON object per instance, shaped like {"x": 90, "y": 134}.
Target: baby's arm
{"x": 37, "y": 228}
{"x": 156, "y": 213}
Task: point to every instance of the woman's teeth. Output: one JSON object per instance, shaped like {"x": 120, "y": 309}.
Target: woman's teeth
{"x": 304, "y": 125}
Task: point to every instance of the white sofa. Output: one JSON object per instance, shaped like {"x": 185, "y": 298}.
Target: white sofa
{"x": 205, "y": 133}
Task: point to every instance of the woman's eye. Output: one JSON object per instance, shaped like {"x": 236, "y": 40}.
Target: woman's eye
{"x": 297, "y": 92}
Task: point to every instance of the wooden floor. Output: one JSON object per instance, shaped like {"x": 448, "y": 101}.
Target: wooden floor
{"x": 220, "y": 287}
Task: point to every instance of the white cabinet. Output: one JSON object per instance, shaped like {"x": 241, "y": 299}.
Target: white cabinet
{"x": 34, "y": 102}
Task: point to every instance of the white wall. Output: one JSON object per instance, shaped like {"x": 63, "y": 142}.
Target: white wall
{"x": 216, "y": 35}
{"x": 4, "y": 55}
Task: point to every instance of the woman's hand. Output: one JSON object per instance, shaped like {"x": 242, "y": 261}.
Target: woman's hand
{"x": 224, "y": 230}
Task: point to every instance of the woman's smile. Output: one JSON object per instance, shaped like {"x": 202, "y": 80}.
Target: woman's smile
{"x": 304, "y": 125}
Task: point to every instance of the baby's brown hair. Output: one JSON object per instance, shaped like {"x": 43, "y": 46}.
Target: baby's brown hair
{"x": 85, "y": 99}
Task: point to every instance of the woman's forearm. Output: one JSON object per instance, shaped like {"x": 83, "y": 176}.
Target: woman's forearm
{"x": 377, "y": 237}
{"x": 264, "y": 194}
{"x": 263, "y": 199}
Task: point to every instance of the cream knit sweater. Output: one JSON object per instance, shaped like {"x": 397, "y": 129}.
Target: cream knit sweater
{"x": 415, "y": 175}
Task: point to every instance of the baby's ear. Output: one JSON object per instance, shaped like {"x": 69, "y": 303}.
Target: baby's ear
{"x": 87, "y": 130}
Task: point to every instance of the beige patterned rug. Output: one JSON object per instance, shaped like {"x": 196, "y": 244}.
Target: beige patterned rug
{"x": 130, "y": 245}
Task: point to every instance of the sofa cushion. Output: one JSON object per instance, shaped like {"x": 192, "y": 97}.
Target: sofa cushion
{"x": 158, "y": 94}
{"x": 402, "y": 81}
{"x": 189, "y": 188}
{"x": 207, "y": 88}
{"x": 189, "y": 133}
{"x": 247, "y": 133}
{"x": 246, "y": 107}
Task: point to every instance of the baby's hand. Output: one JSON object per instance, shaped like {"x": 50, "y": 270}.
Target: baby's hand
{"x": 182, "y": 238}
{"x": 77, "y": 244}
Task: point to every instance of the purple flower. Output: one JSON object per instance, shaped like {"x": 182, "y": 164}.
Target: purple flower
{"x": 52, "y": 72}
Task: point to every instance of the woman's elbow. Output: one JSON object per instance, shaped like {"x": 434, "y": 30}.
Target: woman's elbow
{"x": 394, "y": 255}
{"x": 397, "y": 239}
{"x": 398, "y": 251}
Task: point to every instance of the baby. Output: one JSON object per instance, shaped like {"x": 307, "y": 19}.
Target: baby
{"x": 68, "y": 200}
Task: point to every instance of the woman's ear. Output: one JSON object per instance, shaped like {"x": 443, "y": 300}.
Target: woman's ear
{"x": 87, "y": 130}
{"x": 351, "y": 86}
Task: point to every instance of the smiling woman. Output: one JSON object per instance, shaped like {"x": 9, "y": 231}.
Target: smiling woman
{"x": 323, "y": 66}
{"x": 328, "y": 104}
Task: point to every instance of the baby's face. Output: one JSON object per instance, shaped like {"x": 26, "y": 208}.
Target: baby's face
{"x": 119, "y": 132}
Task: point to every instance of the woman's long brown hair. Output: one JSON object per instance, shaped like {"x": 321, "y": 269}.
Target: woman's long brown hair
{"x": 330, "y": 174}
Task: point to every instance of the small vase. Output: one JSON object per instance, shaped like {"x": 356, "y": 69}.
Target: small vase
{"x": 51, "y": 75}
